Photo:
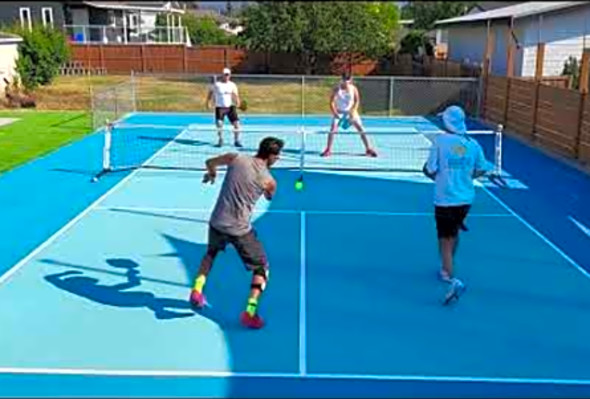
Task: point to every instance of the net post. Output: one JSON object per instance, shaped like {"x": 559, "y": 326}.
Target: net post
{"x": 116, "y": 101}
{"x": 390, "y": 107}
{"x": 106, "y": 151}
{"x": 302, "y": 155}
{"x": 133, "y": 92}
{"x": 302, "y": 97}
{"x": 498, "y": 150}
{"x": 92, "y": 108}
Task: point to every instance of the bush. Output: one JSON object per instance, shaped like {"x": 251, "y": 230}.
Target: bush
{"x": 413, "y": 41}
{"x": 41, "y": 53}
{"x": 572, "y": 68}
{"x": 205, "y": 31}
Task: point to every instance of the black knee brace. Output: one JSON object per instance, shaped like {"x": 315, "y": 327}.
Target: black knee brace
{"x": 262, "y": 272}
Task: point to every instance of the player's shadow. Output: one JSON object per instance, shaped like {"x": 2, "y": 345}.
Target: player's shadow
{"x": 120, "y": 294}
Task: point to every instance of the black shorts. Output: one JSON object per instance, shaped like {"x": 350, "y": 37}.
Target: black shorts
{"x": 449, "y": 219}
{"x": 248, "y": 246}
{"x": 230, "y": 112}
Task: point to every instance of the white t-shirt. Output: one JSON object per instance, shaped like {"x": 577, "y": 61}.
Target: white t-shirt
{"x": 454, "y": 158}
{"x": 222, "y": 92}
{"x": 344, "y": 99}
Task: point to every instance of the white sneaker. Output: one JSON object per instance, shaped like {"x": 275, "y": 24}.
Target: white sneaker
{"x": 444, "y": 276}
{"x": 455, "y": 291}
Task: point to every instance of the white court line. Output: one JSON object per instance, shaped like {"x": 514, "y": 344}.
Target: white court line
{"x": 328, "y": 376}
{"x": 292, "y": 211}
{"x": 538, "y": 233}
{"x": 302, "y": 302}
{"x": 75, "y": 220}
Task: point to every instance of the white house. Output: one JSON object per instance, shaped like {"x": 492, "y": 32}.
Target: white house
{"x": 122, "y": 22}
{"x": 564, "y": 27}
{"x": 8, "y": 56}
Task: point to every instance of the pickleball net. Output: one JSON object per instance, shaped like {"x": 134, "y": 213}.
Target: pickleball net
{"x": 187, "y": 147}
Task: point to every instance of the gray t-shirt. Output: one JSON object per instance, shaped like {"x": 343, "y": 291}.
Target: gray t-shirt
{"x": 241, "y": 189}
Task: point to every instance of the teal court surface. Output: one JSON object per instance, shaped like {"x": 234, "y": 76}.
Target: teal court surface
{"x": 95, "y": 278}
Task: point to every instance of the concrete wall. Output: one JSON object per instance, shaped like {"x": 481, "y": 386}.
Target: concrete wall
{"x": 8, "y": 57}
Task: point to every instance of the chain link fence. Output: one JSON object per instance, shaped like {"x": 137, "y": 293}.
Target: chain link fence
{"x": 286, "y": 94}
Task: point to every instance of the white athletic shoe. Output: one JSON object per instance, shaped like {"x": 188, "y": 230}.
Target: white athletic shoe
{"x": 456, "y": 289}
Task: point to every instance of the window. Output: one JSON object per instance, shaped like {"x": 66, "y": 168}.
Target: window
{"x": 47, "y": 15}
{"x": 133, "y": 20}
{"x": 25, "y": 17}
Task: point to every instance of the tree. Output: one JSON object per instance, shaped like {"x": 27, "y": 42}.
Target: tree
{"x": 313, "y": 28}
{"x": 413, "y": 41}
{"x": 426, "y": 13}
{"x": 571, "y": 68}
{"x": 203, "y": 30}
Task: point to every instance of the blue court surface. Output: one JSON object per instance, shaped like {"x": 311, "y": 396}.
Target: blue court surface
{"x": 95, "y": 277}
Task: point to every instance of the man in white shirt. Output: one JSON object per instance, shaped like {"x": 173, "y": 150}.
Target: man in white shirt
{"x": 455, "y": 160}
{"x": 227, "y": 100}
{"x": 344, "y": 104}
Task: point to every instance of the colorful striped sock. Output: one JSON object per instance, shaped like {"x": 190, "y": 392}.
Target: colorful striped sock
{"x": 252, "y": 305}
{"x": 200, "y": 283}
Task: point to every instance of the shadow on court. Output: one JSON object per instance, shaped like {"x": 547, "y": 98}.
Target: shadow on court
{"x": 119, "y": 295}
{"x": 371, "y": 256}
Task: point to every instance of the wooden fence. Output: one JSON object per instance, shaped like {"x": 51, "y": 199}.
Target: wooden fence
{"x": 554, "y": 117}
{"x": 123, "y": 59}
{"x": 205, "y": 59}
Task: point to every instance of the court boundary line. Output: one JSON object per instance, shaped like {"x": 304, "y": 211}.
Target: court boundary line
{"x": 293, "y": 211}
{"x": 538, "y": 233}
{"x": 62, "y": 230}
{"x": 302, "y": 299}
{"x": 333, "y": 376}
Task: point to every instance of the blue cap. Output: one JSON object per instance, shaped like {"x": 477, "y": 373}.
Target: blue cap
{"x": 454, "y": 119}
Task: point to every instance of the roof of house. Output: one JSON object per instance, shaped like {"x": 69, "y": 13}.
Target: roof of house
{"x": 490, "y": 5}
{"x": 520, "y": 10}
{"x": 154, "y": 6}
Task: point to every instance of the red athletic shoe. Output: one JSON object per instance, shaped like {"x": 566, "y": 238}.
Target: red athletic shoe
{"x": 197, "y": 299}
{"x": 371, "y": 153}
{"x": 326, "y": 153}
{"x": 251, "y": 321}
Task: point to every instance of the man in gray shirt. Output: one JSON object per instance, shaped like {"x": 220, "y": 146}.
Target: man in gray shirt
{"x": 246, "y": 180}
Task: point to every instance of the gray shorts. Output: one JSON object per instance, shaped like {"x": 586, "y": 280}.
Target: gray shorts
{"x": 248, "y": 246}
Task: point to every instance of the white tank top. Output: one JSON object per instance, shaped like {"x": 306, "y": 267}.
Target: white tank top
{"x": 344, "y": 99}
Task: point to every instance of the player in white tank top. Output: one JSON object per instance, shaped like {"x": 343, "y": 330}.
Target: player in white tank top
{"x": 226, "y": 98}
{"x": 344, "y": 104}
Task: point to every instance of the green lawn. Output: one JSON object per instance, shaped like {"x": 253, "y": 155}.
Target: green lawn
{"x": 37, "y": 133}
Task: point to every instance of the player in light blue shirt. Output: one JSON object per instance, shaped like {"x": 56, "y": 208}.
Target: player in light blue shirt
{"x": 455, "y": 160}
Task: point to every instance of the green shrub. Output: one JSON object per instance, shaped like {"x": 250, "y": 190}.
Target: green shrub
{"x": 571, "y": 68}
{"x": 205, "y": 31}
{"x": 41, "y": 53}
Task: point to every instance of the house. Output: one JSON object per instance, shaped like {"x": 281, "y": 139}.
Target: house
{"x": 30, "y": 13}
{"x": 562, "y": 25}
{"x": 122, "y": 22}
{"x": 8, "y": 56}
